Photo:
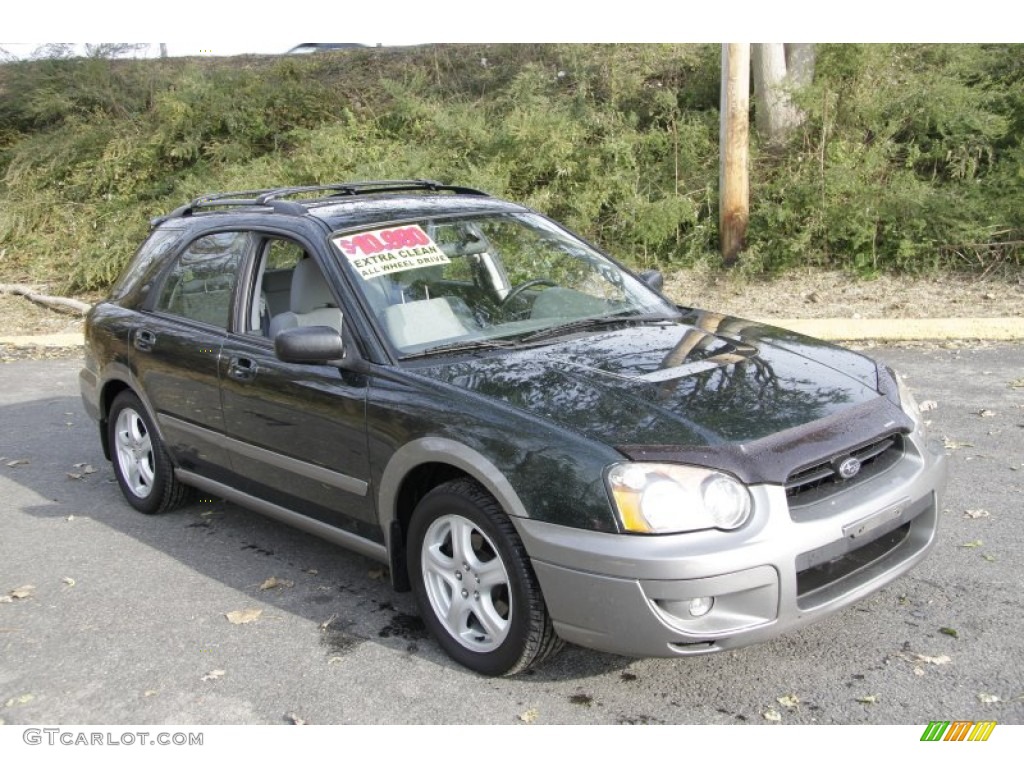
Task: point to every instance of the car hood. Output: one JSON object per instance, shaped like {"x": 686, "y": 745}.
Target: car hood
{"x": 708, "y": 383}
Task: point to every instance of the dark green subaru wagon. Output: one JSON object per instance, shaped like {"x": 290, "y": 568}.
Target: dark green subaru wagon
{"x": 534, "y": 440}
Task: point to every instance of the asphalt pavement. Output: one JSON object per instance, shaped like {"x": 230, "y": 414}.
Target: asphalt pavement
{"x": 113, "y": 617}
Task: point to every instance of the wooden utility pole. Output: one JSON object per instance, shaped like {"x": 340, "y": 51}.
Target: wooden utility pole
{"x": 734, "y": 139}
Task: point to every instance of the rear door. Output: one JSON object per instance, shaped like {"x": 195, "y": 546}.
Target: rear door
{"x": 176, "y": 346}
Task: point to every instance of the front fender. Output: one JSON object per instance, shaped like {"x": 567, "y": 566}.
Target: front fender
{"x": 427, "y": 450}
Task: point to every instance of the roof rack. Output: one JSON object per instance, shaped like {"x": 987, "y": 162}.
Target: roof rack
{"x": 274, "y": 198}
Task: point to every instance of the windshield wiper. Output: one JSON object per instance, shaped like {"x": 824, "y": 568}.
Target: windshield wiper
{"x": 463, "y": 346}
{"x": 590, "y": 322}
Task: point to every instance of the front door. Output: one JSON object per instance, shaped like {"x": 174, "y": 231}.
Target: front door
{"x": 297, "y": 433}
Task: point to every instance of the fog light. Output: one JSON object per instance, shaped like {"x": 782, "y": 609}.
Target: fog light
{"x": 699, "y": 606}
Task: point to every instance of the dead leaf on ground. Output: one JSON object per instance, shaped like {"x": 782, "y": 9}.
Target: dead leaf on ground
{"x": 377, "y": 574}
{"x": 69, "y": 581}
{"x": 18, "y": 701}
{"x": 974, "y": 514}
{"x": 326, "y": 624}
{"x": 149, "y": 693}
{"x": 87, "y": 469}
{"x": 789, "y": 700}
{"x": 245, "y": 616}
{"x": 18, "y": 462}
{"x": 74, "y": 475}
{"x": 772, "y": 715}
{"x": 1017, "y": 383}
{"x": 988, "y": 698}
{"x": 214, "y": 674}
{"x": 928, "y": 405}
{"x": 869, "y": 699}
{"x": 972, "y": 544}
{"x": 918, "y": 671}
{"x": 6, "y": 599}
{"x": 336, "y": 660}
{"x": 937, "y": 660}
{"x": 951, "y": 444}
{"x": 985, "y": 413}
{"x": 988, "y": 558}
{"x": 273, "y": 583}
{"x": 23, "y": 592}
{"x": 529, "y": 715}
{"x": 70, "y": 518}
{"x": 296, "y": 720}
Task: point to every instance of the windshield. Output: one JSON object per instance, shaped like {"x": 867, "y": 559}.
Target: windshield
{"x": 449, "y": 283}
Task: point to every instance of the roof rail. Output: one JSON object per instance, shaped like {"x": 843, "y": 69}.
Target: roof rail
{"x": 273, "y": 198}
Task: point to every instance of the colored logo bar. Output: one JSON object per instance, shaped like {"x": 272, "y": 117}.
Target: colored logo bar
{"x": 958, "y": 730}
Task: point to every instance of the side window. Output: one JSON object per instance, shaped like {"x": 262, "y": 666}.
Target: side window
{"x": 201, "y": 284}
{"x": 271, "y": 295}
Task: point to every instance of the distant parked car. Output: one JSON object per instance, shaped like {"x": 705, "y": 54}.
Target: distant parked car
{"x": 530, "y": 435}
{"x": 322, "y": 47}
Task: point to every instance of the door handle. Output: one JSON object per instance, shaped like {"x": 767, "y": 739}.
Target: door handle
{"x": 144, "y": 341}
{"x": 242, "y": 369}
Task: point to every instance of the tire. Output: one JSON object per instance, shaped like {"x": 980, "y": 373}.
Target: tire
{"x": 141, "y": 465}
{"x": 473, "y": 582}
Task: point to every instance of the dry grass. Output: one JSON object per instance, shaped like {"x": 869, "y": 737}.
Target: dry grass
{"x": 820, "y": 293}
{"x": 19, "y": 317}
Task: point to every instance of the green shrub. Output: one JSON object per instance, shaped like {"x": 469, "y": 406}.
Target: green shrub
{"x": 910, "y": 159}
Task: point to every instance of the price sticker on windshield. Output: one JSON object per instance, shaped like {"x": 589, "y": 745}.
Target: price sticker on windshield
{"x": 395, "y": 249}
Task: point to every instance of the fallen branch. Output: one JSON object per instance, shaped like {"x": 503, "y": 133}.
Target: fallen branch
{"x": 52, "y": 302}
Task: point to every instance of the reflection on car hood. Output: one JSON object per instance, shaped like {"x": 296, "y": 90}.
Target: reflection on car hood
{"x": 706, "y": 380}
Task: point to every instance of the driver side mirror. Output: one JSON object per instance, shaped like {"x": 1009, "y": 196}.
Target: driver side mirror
{"x": 309, "y": 344}
{"x": 653, "y": 278}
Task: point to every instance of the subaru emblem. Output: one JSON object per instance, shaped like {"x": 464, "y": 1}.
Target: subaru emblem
{"x": 849, "y": 467}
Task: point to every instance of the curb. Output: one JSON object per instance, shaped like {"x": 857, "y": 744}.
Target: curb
{"x": 906, "y": 329}
{"x": 44, "y": 340}
{"x": 829, "y": 329}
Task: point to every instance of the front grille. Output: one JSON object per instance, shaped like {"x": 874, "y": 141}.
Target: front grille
{"x": 807, "y": 486}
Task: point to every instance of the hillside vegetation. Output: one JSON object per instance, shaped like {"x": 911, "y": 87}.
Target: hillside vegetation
{"x": 911, "y": 158}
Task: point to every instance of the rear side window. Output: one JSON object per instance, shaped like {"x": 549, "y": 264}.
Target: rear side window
{"x": 159, "y": 242}
{"x": 202, "y": 282}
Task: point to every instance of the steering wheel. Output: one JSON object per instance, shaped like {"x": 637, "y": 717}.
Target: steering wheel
{"x": 523, "y": 286}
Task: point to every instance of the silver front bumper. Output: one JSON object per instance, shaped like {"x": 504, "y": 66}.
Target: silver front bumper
{"x": 630, "y": 594}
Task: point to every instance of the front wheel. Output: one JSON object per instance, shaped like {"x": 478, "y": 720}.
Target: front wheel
{"x": 141, "y": 464}
{"x": 473, "y": 582}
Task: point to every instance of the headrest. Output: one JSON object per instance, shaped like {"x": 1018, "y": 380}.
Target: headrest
{"x": 309, "y": 289}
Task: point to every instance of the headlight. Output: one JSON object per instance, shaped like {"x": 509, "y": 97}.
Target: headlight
{"x": 669, "y": 498}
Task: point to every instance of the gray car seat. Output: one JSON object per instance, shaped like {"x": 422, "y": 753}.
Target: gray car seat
{"x": 311, "y": 301}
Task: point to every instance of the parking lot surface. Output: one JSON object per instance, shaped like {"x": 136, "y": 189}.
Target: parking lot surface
{"x": 112, "y": 617}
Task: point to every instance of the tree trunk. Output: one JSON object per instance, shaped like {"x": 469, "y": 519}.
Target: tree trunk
{"x": 800, "y": 63}
{"x": 734, "y": 140}
{"x": 776, "y": 114}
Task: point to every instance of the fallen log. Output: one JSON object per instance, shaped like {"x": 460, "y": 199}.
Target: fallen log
{"x": 52, "y": 302}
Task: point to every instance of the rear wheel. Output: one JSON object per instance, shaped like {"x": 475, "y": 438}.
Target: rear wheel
{"x": 473, "y": 582}
{"x": 141, "y": 464}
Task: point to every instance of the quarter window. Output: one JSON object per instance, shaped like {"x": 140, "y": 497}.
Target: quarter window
{"x": 201, "y": 284}
{"x": 149, "y": 254}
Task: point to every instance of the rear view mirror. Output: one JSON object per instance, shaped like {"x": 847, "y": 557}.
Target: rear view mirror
{"x": 310, "y": 344}
{"x": 653, "y": 278}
